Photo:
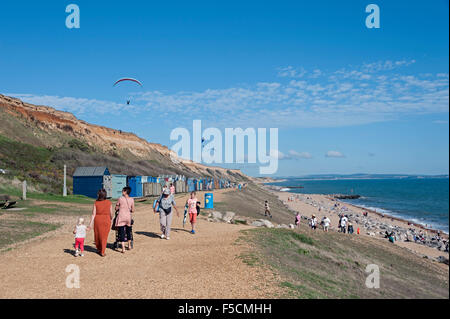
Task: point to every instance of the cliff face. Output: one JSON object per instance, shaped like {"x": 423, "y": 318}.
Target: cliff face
{"x": 52, "y": 128}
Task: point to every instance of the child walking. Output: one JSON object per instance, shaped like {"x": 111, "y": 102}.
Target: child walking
{"x": 80, "y": 234}
{"x": 192, "y": 210}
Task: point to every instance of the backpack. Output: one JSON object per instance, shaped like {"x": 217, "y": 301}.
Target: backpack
{"x": 166, "y": 210}
{"x": 159, "y": 203}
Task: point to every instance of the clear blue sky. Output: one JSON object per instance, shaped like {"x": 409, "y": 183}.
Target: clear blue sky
{"x": 346, "y": 99}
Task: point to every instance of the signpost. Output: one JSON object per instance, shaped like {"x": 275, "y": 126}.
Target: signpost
{"x": 24, "y": 190}
{"x": 65, "y": 187}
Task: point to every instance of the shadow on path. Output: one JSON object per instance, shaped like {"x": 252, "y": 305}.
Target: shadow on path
{"x": 180, "y": 229}
{"x": 148, "y": 234}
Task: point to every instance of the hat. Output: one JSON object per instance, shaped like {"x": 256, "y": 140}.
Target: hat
{"x": 166, "y": 191}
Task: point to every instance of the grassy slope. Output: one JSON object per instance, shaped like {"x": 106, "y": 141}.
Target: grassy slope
{"x": 43, "y": 167}
{"x": 13, "y": 230}
{"x": 331, "y": 265}
{"x": 52, "y": 149}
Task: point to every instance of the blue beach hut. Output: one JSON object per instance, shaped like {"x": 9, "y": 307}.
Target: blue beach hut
{"x": 88, "y": 180}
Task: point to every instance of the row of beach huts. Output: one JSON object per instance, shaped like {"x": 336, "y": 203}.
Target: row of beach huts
{"x": 88, "y": 180}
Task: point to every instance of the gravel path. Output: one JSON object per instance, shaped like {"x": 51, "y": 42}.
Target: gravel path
{"x": 204, "y": 265}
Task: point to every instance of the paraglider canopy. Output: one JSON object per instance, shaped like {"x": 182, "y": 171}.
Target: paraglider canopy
{"x": 128, "y": 79}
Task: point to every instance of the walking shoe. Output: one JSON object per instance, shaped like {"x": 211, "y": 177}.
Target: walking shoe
{"x": 167, "y": 238}
{"x": 192, "y": 231}
{"x": 76, "y": 253}
{"x": 81, "y": 255}
{"x": 163, "y": 236}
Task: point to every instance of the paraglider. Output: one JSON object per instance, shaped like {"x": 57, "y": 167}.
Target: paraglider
{"x": 128, "y": 79}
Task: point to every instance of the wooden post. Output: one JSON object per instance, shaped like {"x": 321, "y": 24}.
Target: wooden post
{"x": 65, "y": 186}
{"x": 24, "y": 190}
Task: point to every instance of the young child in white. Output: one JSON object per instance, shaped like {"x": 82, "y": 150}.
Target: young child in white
{"x": 80, "y": 234}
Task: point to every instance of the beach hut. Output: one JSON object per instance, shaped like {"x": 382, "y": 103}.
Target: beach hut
{"x": 190, "y": 185}
{"x": 88, "y": 180}
{"x": 135, "y": 182}
{"x": 118, "y": 183}
{"x": 113, "y": 184}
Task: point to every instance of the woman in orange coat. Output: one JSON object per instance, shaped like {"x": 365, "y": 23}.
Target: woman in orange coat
{"x": 102, "y": 214}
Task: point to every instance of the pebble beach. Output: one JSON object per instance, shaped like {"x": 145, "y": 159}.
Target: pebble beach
{"x": 427, "y": 243}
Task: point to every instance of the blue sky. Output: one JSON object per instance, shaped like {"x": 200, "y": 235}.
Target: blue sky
{"x": 345, "y": 98}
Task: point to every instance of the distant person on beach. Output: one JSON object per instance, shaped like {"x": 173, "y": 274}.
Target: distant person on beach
{"x": 326, "y": 223}
{"x": 297, "y": 219}
{"x": 192, "y": 210}
{"x": 313, "y": 222}
{"x": 350, "y": 228}
{"x": 125, "y": 207}
{"x": 80, "y": 235}
{"x": 102, "y": 214}
{"x": 267, "y": 209}
{"x": 165, "y": 205}
{"x": 344, "y": 220}
{"x": 172, "y": 189}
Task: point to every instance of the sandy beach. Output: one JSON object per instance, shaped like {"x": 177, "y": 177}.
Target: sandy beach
{"x": 373, "y": 225}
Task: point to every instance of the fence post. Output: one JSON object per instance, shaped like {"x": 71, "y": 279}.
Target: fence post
{"x": 24, "y": 190}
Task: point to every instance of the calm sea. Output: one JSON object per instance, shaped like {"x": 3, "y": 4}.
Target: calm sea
{"x": 421, "y": 200}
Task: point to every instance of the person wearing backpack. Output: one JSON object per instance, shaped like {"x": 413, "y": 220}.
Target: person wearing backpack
{"x": 165, "y": 205}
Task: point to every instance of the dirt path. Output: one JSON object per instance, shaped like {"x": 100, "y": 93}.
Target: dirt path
{"x": 204, "y": 265}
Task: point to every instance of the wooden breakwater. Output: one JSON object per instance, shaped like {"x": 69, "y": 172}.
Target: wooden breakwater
{"x": 345, "y": 196}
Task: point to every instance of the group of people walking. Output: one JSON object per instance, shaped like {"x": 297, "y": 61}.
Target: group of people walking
{"x": 104, "y": 219}
{"x": 344, "y": 224}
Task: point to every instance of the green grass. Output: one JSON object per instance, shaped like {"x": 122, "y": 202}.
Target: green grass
{"x": 302, "y": 251}
{"x": 35, "y": 208}
{"x": 332, "y": 265}
{"x": 250, "y": 259}
{"x": 300, "y": 291}
{"x": 78, "y": 199}
{"x": 13, "y": 231}
{"x": 17, "y": 193}
{"x": 29, "y": 162}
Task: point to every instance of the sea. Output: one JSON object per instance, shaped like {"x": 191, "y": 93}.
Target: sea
{"x": 420, "y": 200}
